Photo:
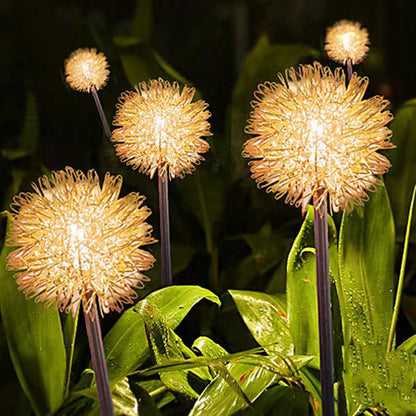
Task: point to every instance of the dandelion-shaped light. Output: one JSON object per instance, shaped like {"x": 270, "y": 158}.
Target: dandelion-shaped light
{"x": 78, "y": 242}
{"x": 86, "y": 70}
{"x": 317, "y": 139}
{"x": 160, "y": 129}
{"x": 347, "y": 43}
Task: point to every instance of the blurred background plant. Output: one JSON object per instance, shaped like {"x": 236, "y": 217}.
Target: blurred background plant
{"x": 225, "y": 233}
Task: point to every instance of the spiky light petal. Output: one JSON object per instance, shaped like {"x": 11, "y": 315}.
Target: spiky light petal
{"x": 78, "y": 241}
{"x": 345, "y": 41}
{"x": 160, "y": 128}
{"x": 86, "y": 69}
{"x": 315, "y": 136}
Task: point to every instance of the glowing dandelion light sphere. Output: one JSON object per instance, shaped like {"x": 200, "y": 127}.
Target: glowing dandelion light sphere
{"x": 79, "y": 242}
{"x": 347, "y": 41}
{"x": 315, "y": 136}
{"x": 86, "y": 69}
{"x": 159, "y": 128}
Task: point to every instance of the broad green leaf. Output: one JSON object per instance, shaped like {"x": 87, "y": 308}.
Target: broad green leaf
{"x": 402, "y": 176}
{"x": 143, "y": 19}
{"x": 208, "y": 348}
{"x": 302, "y": 304}
{"x": 147, "y": 405}
{"x": 167, "y": 346}
{"x": 365, "y": 290}
{"x": 366, "y": 265}
{"x": 157, "y": 391}
{"x": 35, "y": 340}
{"x": 280, "y": 401}
{"x": 409, "y": 345}
{"x": 126, "y": 343}
{"x": 265, "y": 317}
{"x": 262, "y": 64}
{"x": 141, "y": 63}
{"x": 85, "y": 402}
{"x": 220, "y": 398}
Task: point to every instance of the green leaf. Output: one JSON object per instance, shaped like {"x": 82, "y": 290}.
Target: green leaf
{"x": 143, "y": 19}
{"x": 126, "y": 343}
{"x": 262, "y": 64}
{"x": 220, "y": 397}
{"x": 366, "y": 270}
{"x": 409, "y": 345}
{"x": 167, "y": 346}
{"x": 280, "y": 401}
{"x": 35, "y": 340}
{"x": 265, "y": 317}
{"x": 141, "y": 63}
{"x": 301, "y": 289}
{"x": 402, "y": 176}
{"x": 365, "y": 290}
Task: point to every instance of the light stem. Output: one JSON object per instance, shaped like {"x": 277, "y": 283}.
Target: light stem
{"x": 164, "y": 229}
{"x": 349, "y": 69}
{"x": 324, "y": 307}
{"x": 401, "y": 275}
{"x": 92, "y": 322}
{"x": 103, "y": 118}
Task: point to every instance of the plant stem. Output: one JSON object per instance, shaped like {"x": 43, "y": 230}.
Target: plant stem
{"x": 71, "y": 350}
{"x": 349, "y": 69}
{"x": 324, "y": 309}
{"x": 92, "y": 322}
{"x": 103, "y": 118}
{"x": 164, "y": 230}
{"x": 401, "y": 275}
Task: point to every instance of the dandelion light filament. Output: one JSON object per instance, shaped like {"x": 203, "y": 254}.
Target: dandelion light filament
{"x": 316, "y": 136}
{"x": 79, "y": 242}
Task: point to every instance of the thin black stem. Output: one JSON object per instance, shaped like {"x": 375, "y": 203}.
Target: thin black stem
{"x": 103, "y": 118}
{"x": 349, "y": 69}
{"x": 324, "y": 310}
{"x": 92, "y": 322}
{"x": 164, "y": 230}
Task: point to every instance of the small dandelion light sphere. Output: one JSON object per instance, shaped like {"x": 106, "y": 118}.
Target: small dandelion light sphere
{"x": 316, "y": 137}
{"x": 347, "y": 41}
{"x": 78, "y": 241}
{"x": 86, "y": 70}
{"x": 159, "y": 128}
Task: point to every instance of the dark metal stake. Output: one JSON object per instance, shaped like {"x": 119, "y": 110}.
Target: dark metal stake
{"x": 92, "y": 322}
{"x": 324, "y": 310}
{"x": 164, "y": 230}
{"x": 103, "y": 118}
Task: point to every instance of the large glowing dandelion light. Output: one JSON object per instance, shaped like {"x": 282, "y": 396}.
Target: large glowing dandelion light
{"x": 347, "y": 41}
{"x": 159, "y": 128}
{"x": 86, "y": 70}
{"x": 317, "y": 137}
{"x": 79, "y": 242}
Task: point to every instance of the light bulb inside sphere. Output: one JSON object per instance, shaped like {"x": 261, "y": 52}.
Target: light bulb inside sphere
{"x": 160, "y": 129}
{"x": 347, "y": 41}
{"x": 79, "y": 242}
{"x": 317, "y": 136}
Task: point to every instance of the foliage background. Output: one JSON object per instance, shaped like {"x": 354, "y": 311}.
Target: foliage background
{"x": 225, "y": 232}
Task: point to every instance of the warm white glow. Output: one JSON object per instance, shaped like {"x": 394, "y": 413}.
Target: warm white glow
{"x": 80, "y": 242}
{"x": 314, "y": 135}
